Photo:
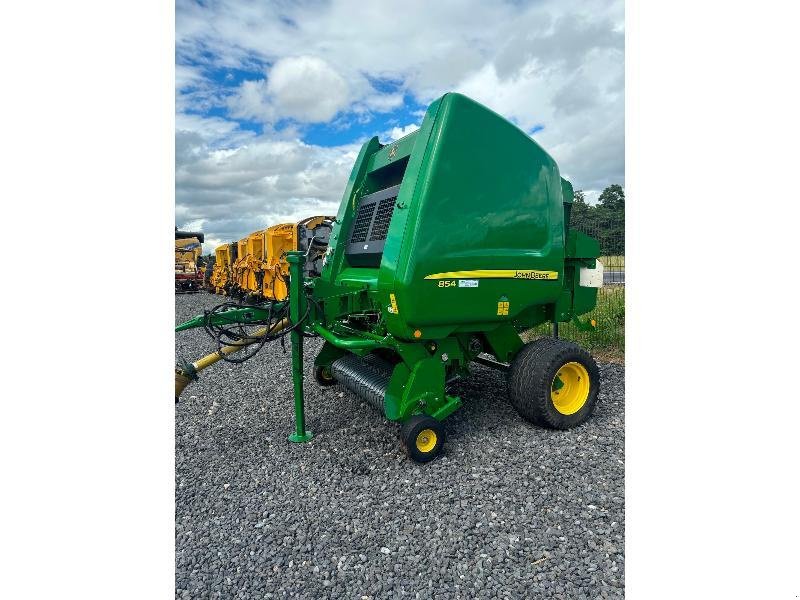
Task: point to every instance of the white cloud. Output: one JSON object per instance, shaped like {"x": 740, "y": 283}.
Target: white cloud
{"x": 592, "y": 196}
{"x": 307, "y": 88}
{"x": 381, "y": 102}
{"x": 265, "y": 181}
{"x": 215, "y": 130}
{"x": 395, "y": 133}
{"x": 194, "y": 225}
{"x": 304, "y": 88}
{"x": 251, "y": 102}
{"x": 211, "y": 244}
{"x": 187, "y": 77}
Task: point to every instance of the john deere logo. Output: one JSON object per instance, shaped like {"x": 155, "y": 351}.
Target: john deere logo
{"x": 392, "y": 152}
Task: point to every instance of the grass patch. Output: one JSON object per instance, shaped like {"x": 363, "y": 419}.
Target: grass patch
{"x": 613, "y": 263}
{"x": 607, "y": 340}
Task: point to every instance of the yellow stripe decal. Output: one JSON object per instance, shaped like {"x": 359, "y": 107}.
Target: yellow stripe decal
{"x": 496, "y": 274}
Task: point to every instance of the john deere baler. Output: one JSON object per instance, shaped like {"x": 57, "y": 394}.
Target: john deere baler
{"x": 448, "y": 243}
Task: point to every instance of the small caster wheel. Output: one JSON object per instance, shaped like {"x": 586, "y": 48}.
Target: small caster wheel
{"x": 422, "y": 437}
{"x": 324, "y": 376}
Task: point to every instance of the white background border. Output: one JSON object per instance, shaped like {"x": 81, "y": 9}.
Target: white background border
{"x": 713, "y": 402}
{"x": 87, "y": 112}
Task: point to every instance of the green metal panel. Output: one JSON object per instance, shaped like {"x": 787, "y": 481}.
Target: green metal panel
{"x": 392, "y": 153}
{"x": 488, "y": 198}
{"x": 478, "y": 198}
{"x": 334, "y": 262}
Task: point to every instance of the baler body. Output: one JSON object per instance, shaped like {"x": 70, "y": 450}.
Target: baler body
{"x": 448, "y": 242}
{"x": 476, "y": 233}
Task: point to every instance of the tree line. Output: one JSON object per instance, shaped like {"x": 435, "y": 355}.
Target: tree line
{"x": 604, "y": 220}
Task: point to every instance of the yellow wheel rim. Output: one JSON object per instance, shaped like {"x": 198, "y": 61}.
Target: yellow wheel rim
{"x": 570, "y": 388}
{"x": 426, "y": 440}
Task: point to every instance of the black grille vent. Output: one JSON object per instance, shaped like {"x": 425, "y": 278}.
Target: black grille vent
{"x": 361, "y": 225}
{"x": 371, "y": 227}
{"x": 380, "y": 226}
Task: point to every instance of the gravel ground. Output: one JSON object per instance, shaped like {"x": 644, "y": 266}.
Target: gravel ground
{"x": 509, "y": 511}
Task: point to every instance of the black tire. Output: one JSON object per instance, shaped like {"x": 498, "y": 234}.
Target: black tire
{"x": 422, "y": 438}
{"x": 534, "y": 389}
{"x": 323, "y": 376}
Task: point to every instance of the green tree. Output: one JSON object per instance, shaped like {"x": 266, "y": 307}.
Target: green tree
{"x": 581, "y": 215}
{"x": 604, "y": 221}
{"x": 610, "y": 215}
{"x": 613, "y": 199}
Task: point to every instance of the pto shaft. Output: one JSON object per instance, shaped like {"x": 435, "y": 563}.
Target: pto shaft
{"x": 185, "y": 375}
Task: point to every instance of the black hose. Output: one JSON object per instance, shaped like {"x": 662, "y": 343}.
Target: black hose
{"x": 236, "y": 334}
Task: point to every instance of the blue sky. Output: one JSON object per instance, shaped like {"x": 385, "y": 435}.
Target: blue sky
{"x": 336, "y": 133}
{"x": 273, "y": 99}
{"x": 340, "y": 131}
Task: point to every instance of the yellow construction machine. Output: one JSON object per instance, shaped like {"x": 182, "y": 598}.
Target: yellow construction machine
{"x": 188, "y": 250}
{"x": 278, "y": 239}
{"x": 222, "y": 273}
{"x": 260, "y": 270}
{"x": 237, "y": 269}
{"x": 253, "y": 265}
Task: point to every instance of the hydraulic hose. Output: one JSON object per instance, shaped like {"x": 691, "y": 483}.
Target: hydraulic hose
{"x": 186, "y": 373}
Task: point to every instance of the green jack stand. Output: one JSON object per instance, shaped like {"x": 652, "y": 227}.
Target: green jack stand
{"x": 297, "y": 308}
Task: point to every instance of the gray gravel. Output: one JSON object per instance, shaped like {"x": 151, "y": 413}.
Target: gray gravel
{"x": 509, "y": 511}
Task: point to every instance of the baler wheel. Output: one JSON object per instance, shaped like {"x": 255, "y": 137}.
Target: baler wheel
{"x": 422, "y": 438}
{"x": 554, "y": 383}
{"x": 323, "y": 376}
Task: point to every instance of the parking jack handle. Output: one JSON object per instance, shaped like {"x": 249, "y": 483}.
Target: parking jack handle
{"x": 297, "y": 308}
